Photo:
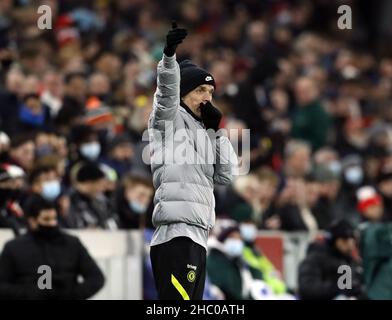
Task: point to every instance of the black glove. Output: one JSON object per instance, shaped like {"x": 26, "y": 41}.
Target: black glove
{"x": 211, "y": 116}
{"x": 173, "y": 38}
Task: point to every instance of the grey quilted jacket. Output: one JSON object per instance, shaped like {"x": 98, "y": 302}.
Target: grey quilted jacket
{"x": 184, "y": 187}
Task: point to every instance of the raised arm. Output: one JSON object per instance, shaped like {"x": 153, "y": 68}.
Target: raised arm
{"x": 167, "y": 95}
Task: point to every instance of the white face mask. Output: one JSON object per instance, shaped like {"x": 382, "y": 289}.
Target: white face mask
{"x": 137, "y": 207}
{"x": 354, "y": 175}
{"x": 248, "y": 231}
{"x": 90, "y": 150}
{"x": 233, "y": 247}
{"x": 51, "y": 190}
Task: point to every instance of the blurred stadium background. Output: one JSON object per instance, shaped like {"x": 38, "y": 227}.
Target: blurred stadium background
{"x": 317, "y": 101}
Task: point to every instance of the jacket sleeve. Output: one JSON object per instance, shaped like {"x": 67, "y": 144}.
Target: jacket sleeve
{"x": 226, "y": 162}
{"x": 167, "y": 94}
{"x": 93, "y": 278}
{"x": 311, "y": 285}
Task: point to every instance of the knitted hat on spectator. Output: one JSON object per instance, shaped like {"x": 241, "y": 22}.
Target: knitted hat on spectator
{"x": 192, "y": 76}
{"x": 340, "y": 229}
{"x": 66, "y": 31}
{"x": 89, "y": 172}
{"x": 225, "y": 233}
{"x": 96, "y": 112}
{"x": 367, "y": 196}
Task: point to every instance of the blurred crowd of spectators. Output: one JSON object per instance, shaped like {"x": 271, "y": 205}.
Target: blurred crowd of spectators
{"x": 75, "y": 101}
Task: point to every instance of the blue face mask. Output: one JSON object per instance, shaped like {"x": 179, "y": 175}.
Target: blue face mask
{"x": 137, "y": 207}
{"x": 51, "y": 190}
{"x": 354, "y": 175}
{"x": 233, "y": 247}
{"x": 248, "y": 231}
{"x": 90, "y": 150}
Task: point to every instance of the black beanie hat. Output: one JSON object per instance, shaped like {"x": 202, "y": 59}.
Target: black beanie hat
{"x": 81, "y": 132}
{"x": 89, "y": 172}
{"x": 340, "y": 228}
{"x": 192, "y": 76}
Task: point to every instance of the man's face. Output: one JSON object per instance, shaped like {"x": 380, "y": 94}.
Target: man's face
{"x": 54, "y": 84}
{"x": 300, "y": 162}
{"x": 47, "y": 217}
{"x": 123, "y": 152}
{"x": 386, "y": 187}
{"x": 13, "y": 184}
{"x": 96, "y": 187}
{"x": 305, "y": 91}
{"x": 374, "y": 213}
{"x": 77, "y": 88}
{"x": 44, "y": 177}
{"x": 345, "y": 245}
{"x": 99, "y": 84}
{"x": 267, "y": 189}
{"x": 24, "y": 154}
{"x": 330, "y": 189}
{"x": 312, "y": 193}
{"x": 202, "y": 94}
{"x": 34, "y": 104}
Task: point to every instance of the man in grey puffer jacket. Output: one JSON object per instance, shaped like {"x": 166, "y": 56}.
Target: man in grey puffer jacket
{"x": 188, "y": 155}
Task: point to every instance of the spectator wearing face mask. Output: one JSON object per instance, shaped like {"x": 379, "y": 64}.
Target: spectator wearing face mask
{"x": 352, "y": 178}
{"x": 259, "y": 265}
{"x": 353, "y": 174}
{"x": 225, "y": 267}
{"x": 133, "y": 200}
{"x": 11, "y": 184}
{"x": 46, "y": 244}
{"x": 84, "y": 146}
{"x": 45, "y": 182}
{"x": 100, "y": 117}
